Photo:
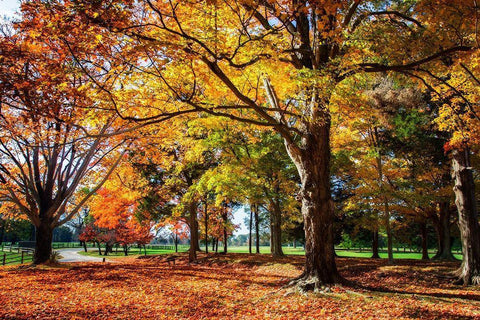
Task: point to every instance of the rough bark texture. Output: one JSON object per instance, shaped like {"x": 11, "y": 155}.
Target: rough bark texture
{"x": 43, "y": 242}
{"x": 469, "y": 272}
{"x": 276, "y": 229}
{"x": 442, "y": 226}
{"x": 313, "y": 165}
{"x": 423, "y": 233}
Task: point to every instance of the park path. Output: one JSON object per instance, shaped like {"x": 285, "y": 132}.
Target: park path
{"x": 72, "y": 255}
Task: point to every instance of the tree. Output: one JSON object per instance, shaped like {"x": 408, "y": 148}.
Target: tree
{"x": 209, "y": 57}
{"x": 45, "y": 155}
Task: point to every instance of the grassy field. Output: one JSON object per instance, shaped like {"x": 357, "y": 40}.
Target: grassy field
{"x": 265, "y": 250}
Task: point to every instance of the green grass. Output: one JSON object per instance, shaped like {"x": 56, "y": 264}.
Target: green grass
{"x": 13, "y": 258}
{"x": 93, "y": 252}
{"x": 354, "y": 253}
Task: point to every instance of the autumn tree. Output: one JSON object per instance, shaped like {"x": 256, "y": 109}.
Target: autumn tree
{"x": 52, "y": 143}
{"x": 271, "y": 63}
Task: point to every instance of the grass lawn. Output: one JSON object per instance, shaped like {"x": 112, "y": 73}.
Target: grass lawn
{"x": 263, "y": 250}
{"x": 235, "y": 286}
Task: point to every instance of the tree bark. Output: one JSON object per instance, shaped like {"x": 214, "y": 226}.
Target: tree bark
{"x": 375, "y": 238}
{"x": 386, "y": 209}
{"x": 2, "y": 230}
{"x": 375, "y": 254}
{"x": 250, "y": 223}
{"x": 225, "y": 233}
{"x": 442, "y": 226}
{"x": 469, "y": 271}
{"x": 43, "y": 242}
{"x": 257, "y": 229}
{"x": 176, "y": 243}
{"x": 192, "y": 252}
{"x": 206, "y": 224}
{"x": 313, "y": 165}
{"x": 423, "y": 232}
{"x": 275, "y": 229}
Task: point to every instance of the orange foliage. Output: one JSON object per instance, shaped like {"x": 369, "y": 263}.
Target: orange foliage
{"x": 236, "y": 286}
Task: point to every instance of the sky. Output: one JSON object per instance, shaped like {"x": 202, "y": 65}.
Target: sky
{"x": 8, "y": 9}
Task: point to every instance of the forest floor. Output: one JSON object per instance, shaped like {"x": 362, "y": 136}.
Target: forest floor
{"x": 235, "y": 286}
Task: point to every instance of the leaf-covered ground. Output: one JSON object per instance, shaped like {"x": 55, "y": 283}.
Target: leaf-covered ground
{"x": 236, "y": 286}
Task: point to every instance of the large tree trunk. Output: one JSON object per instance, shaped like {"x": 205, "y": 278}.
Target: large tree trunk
{"x": 192, "y": 252}
{"x": 43, "y": 242}
{"x": 423, "y": 233}
{"x": 442, "y": 226}
{"x": 313, "y": 165}
{"x": 469, "y": 272}
{"x": 275, "y": 229}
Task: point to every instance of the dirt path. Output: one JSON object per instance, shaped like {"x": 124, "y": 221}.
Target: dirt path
{"x": 72, "y": 255}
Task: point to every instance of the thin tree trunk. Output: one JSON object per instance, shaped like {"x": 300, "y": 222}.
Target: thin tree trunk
{"x": 294, "y": 244}
{"x": 2, "y": 230}
{"x": 250, "y": 230}
{"x": 99, "y": 248}
{"x": 225, "y": 234}
{"x": 389, "y": 232}
{"x": 206, "y": 224}
{"x": 192, "y": 252}
{"x": 275, "y": 229}
{"x": 84, "y": 243}
{"x": 423, "y": 231}
{"x": 442, "y": 226}
{"x": 257, "y": 229}
{"x": 43, "y": 242}
{"x": 213, "y": 244}
{"x": 375, "y": 254}
{"x": 176, "y": 243}
{"x": 216, "y": 245}
{"x": 469, "y": 271}
{"x": 386, "y": 209}
{"x": 375, "y": 238}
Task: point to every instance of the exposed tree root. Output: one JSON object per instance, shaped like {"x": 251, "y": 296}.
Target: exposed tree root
{"x": 310, "y": 283}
